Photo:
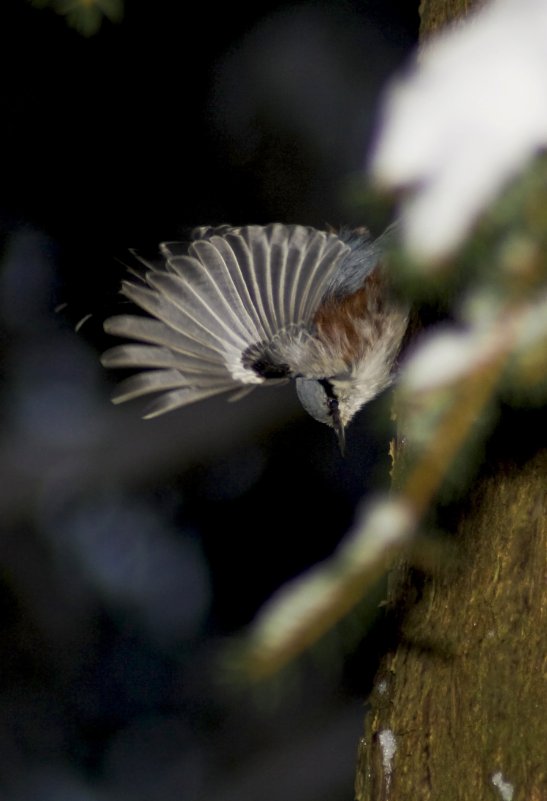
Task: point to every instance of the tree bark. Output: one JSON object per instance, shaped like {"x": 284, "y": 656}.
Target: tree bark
{"x": 458, "y": 710}
{"x": 464, "y": 693}
{"x": 437, "y": 14}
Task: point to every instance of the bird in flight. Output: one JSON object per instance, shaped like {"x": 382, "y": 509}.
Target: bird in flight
{"x": 239, "y": 307}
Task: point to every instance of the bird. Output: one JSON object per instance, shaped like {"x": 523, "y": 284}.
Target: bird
{"x": 239, "y": 307}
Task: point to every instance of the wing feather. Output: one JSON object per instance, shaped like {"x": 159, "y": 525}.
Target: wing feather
{"x": 210, "y": 277}
{"x": 320, "y": 262}
{"x": 176, "y": 398}
{"x": 150, "y": 381}
{"x": 280, "y": 265}
{"x": 229, "y": 291}
{"x": 184, "y": 320}
{"x": 236, "y": 248}
{"x": 264, "y": 272}
{"x": 165, "y": 380}
{"x": 147, "y": 329}
{"x": 157, "y": 356}
{"x": 196, "y": 303}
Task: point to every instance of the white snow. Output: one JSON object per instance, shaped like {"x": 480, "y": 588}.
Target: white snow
{"x": 464, "y": 121}
{"x": 505, "y": 788}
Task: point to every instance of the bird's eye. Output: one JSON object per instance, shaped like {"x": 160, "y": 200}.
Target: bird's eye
{"x": 318, "y": 397}
{"x": 333, "y": 410}
{"x": 333, "y": 406}
{"x": 332, "y": 400}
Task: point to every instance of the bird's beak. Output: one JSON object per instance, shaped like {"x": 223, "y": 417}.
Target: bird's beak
{"x": 340, "y": 433}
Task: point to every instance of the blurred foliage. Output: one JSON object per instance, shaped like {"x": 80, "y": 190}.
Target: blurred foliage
{"x": 504, "y": 254}
{"x": 487, "y": 346}
{"x": 85, "y": 16}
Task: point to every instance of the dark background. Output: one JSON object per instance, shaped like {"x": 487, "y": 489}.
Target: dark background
{"x": 132, "y": 552}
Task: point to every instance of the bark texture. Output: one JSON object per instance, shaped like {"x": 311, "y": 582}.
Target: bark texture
{"x": 437, "y": 14}
{"x": 464, "y": 695}
{"x": 459, "y": 707}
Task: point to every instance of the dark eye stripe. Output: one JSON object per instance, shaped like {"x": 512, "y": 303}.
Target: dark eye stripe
{"x": 333, "y": 410}
{"x": 332, "y": 400}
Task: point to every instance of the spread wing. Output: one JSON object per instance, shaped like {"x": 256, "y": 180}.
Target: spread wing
{"x": 218, "y": 310}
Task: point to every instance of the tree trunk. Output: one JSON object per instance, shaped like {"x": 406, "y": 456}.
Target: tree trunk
{"x": 463, "y": 695}
{"x": 437, "y": 14}
{"x": 458, "y": 709}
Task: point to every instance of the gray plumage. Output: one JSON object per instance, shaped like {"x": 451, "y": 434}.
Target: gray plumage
{"x": 238, "y": 307}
